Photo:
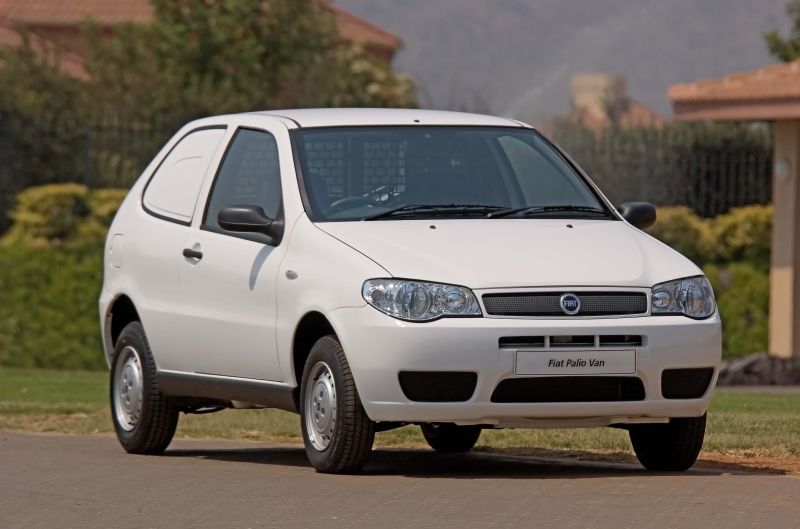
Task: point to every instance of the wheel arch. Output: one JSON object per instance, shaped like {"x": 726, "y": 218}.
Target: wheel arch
{"x": 121, "y": 311}
{"x": 310, "y": 328}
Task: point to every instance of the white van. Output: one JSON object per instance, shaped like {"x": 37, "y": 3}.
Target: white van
{"x": 372, "y": 268}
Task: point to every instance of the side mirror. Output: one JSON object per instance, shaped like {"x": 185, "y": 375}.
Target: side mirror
{"x": 640, "y": 214}
{"x": 250, "y": 219}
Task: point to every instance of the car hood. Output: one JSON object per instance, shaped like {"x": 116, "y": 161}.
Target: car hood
{"x": 500, "y": 253}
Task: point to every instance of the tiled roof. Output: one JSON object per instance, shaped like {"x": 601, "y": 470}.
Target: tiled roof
{"x": 772, "y": 92}
{"x": 73, "y": 12}
{"x": 770, "y": 82}
{"x": 70, "y": 12}
{"x": 357, "y": 29}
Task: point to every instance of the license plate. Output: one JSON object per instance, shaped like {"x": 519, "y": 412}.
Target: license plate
{"x": 614, "y": 362}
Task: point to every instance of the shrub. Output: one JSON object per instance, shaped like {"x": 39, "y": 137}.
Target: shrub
{"x": 48, "y": 215}
{"x": 48, "y": 317}
{"x": 102, "y": 205}
{"x": 51, "y": 268}
{"x": 681, "y": 229}
{"x": 742, "y": 292}
{"x": 744, "y": 234}
{"x": 62, "y": 215}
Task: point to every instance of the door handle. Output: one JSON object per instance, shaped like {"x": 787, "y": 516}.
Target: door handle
{"x": 192, "y": 254}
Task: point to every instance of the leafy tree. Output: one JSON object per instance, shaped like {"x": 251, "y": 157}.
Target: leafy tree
{"x": 142, "y": 81}
{"x": 39, "y": 139}
{"x": 787, "y": 49}
{"x": 200, "y": 58}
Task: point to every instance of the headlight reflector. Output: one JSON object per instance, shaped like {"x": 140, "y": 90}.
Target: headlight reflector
{"x": 419, "y": 300}
{"x": 691, "y": 297}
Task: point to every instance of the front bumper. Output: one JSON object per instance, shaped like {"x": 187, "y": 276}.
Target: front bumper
{"x": 379, "y": 347}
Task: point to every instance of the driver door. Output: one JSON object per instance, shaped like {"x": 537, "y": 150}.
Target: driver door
{"x": 228, "y": 280}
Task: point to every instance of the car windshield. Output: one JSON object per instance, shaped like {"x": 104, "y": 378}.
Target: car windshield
{"x": 412, "y": 172}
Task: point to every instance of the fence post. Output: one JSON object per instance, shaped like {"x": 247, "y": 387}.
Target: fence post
{"x": 87, "y": 156}
{"x": 644, "y": 170}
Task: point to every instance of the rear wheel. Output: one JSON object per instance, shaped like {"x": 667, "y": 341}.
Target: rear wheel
{"x": 337, "y": 432}
{"x": 669, "y": 447}
{"x": 451, "y": 438}
{"x": 144, "y": 419}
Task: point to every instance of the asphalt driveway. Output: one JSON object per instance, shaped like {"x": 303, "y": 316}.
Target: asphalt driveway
{"x": 85, "y": 482}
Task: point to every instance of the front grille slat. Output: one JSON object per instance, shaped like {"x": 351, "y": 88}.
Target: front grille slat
{"x": 548, "y": 303}
{"x": 585, "y": 340}
{"x": 521, "y": 341}
{"x": 604, "y": 341}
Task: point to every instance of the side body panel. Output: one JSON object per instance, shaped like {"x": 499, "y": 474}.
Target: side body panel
{"x": 145, "y": 265}
{"x": 327, "y": 275}
{"x": 229, "y": 296}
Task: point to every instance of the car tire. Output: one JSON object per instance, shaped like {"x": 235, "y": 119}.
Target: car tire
{"x": 451, "y": 438}
{"x": 144, "y": 419}
{"x": 337, "y": 432}
{"x": 671, "y": 447}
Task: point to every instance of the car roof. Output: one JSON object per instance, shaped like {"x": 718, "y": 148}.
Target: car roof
{"x": 348, "y": 117}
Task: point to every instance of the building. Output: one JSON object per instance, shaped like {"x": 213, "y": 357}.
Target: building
{"x": 769, "y": 94}
{"x": 600, "y": 100}
{"x": 55, "y": 26}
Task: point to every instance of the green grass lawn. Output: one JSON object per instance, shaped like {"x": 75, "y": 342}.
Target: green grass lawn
{"x": 740, "y": 423}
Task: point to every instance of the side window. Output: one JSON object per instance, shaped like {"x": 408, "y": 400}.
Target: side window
{"x": 173, "y": 190}
{"x": 248, "y": 176}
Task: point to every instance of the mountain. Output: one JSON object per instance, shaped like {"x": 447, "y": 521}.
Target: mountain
{"x": 515, "y": 57}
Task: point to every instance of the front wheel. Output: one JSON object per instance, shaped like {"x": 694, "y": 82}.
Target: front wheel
{"x": 451, "y": 438}
{"x": 671, "y": 447}
{"x": 143, "y": 418}
{"x": 337, "y": 432}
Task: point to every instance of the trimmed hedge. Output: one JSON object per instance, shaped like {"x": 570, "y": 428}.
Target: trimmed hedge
{"x": 63, "y": 215}
{"x": 742, "y": 234}
{"x": 686, "y": 232}
{"x": 48, "y": 314}
{"x": 742, "y": 292}
{"x": 51, "y": 264}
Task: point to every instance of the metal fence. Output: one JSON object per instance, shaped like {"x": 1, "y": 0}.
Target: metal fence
{"x": 98, "y": 151}
{"x": 709, "y": 168}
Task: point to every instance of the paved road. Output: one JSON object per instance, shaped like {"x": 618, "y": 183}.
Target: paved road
{"x": 85, "y": 482}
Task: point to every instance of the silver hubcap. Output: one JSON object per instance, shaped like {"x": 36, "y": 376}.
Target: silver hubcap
{"x": 128, "y": 389}
{"x": 320, "y": 406}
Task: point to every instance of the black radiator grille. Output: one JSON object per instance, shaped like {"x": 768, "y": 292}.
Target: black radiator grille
{"x": 548, "y": 303}
{"x": 569, "y": 389}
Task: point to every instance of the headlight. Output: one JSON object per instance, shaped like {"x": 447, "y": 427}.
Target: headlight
{"x": 691, "y": 297}
{"x": 418, "y": 300}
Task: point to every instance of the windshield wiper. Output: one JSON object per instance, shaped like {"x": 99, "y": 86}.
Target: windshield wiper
{"x": 533, "y": 210}
{"x": 435, "y": 209}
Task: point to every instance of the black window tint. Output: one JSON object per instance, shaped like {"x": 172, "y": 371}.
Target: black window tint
{"x": 435, "y": 165}
{"x": 541, "y": 180}
{"x": 249, "y": 176}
